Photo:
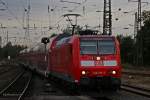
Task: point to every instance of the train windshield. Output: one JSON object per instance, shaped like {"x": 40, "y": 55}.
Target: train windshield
{"x": 97, "y": 47}
{"x": 106, "y": 47}
{"x": 88, "y": 47}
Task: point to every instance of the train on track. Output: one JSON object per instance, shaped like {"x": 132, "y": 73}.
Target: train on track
{"x": 91, "y": 60}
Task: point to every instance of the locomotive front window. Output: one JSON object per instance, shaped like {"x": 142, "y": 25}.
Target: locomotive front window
{"x": 106, "y": 47}
{"x": 102, "y": 46}
{"x": 88, "y": 47}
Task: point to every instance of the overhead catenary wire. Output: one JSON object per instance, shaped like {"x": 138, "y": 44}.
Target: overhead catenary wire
{"x": 127, "y": 13}
{"x": 11, "y": 13}
{"x": 56, "y": 21}
{"x": 79, "y": 5}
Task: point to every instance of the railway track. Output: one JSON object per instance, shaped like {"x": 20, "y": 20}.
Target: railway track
{"x": 3, "y": 71}
{"x": 18, "y": 87}
{"x": 136, "y": 90}
{"x": 137, "y": 73}
{"x": 84, "y": 93}
{"x": 7, "y": 68}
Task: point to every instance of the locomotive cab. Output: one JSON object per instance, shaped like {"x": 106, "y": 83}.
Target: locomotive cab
{"x": 100, "y": 61}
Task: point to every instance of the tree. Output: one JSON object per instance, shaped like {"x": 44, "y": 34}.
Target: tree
{"x": 127, "y": 48}
{"x": 10, "y": 50}
{"x": 145, "y": 33}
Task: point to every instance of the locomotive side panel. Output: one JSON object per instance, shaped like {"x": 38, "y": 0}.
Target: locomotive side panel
{"x": 76, "y": 59}
{"x": 61, "y": 62}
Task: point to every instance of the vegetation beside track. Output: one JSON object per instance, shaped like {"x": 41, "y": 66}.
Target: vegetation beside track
{"x": 10, "y": 50}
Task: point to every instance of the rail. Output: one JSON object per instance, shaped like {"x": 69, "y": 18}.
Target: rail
{"x": 11, "y": 83}
{"x": 137, "y": 73}
{"x": 22, "y": 91}
{"x": 136, "y": 90}
{"x": 26, "y": 87}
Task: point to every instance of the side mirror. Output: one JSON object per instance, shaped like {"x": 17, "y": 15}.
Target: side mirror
{"x": 45, "y": 40}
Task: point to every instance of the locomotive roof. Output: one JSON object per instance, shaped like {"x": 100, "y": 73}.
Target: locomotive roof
{"x": 64, "y": 35}
{"x": 104, "y": 36}
{"x": 60, "y": 36}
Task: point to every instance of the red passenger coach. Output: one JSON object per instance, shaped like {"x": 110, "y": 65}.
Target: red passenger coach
{"x": 79, "y": 59}
{"x": 86, "y": 60}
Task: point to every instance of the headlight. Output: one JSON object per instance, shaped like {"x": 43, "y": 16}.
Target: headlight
{"x": 98, "y": 58}
{"x": 83, "y": 72}
{"x": 113, "y": 72}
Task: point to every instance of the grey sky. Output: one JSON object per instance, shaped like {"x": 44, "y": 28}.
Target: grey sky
{"x": 12, "y": 18}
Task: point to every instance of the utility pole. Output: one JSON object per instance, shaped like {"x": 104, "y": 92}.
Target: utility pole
{"x": 135, "y": 38}
{"x": 107, "y": 18}
{"x": 139, "y": 15}
{"x": 99, "y": 25}
{"x": 28, "y": 19}
{"x": 49, "y": 17}
{"x": 0, "y": 41}
{"x": 27, "y": 32}
{"x": 138, "y": 35}
{"x": 7, "y": 38}
{"x": 3, "y": 32}
{"x": 135, "y": 26}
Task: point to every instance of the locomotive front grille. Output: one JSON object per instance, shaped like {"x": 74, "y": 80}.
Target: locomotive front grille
{"x": 102, "y": 81}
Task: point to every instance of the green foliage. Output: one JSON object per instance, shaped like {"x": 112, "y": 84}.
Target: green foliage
{"x": 10, "y": 50}
{"x": 127, "y": 49}
{"x": 130, "y": 48}
{"x": 145, "y": 33}
{"x": 146, "y": 15}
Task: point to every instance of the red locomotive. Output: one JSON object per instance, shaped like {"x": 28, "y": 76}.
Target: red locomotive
{"x": 80, "y": 59}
